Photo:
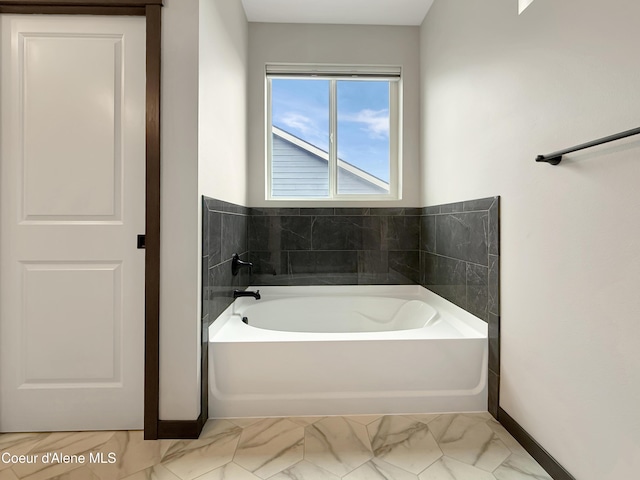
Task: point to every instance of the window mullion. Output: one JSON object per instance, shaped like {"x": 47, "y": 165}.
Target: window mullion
{"x": 333, "y": 140}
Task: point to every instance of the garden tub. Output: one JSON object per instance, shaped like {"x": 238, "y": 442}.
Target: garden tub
{"x": 346, "y": 350}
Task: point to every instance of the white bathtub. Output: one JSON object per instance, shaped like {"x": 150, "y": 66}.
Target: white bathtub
{"x": 345, "y": 350}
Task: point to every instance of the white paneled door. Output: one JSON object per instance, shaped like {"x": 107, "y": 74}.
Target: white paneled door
{"x": 72, "y": 202}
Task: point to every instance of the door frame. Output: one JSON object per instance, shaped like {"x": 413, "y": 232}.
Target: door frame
{"x": 151, "y": 10}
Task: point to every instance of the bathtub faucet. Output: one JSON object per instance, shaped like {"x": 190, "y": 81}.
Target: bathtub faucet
{"x": 237, "y": 264}
{"x": 246, "y": 293}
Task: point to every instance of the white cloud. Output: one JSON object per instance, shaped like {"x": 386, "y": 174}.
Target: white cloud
{"x": 303, "y": 124}
{"x": 375, "y": 122}
{"x": 305, "y": 127}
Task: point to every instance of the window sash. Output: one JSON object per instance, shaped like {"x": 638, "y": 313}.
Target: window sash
{"x": 395, "y": 131}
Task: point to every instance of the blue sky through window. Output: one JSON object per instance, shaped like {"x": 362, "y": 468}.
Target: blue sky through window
{"x": 301, "y": 107}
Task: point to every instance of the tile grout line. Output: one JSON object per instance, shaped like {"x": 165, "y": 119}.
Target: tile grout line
{"x": 457, "y": 259}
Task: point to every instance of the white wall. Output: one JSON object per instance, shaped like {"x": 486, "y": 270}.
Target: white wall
{"x": 332, "y": 44}
{"x": 497, "y": 90}
{"x": 179, "y": 237}
{"x": 204, "y": 144}
{"x": 224, "y": 38}
{"x": 204, "y": 77}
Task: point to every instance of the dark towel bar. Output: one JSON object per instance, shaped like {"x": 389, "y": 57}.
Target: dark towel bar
{"x": 556, "y": 157}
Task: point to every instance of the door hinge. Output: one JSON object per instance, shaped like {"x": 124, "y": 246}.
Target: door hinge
{"x": 142, "y": 241}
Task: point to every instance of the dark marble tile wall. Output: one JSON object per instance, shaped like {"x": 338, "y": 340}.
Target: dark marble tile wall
{"x": 452, "y": 249}
{"x": 460, "y": 261}
{"x": 224, "y": 232}
{"x": 336, "y": 246}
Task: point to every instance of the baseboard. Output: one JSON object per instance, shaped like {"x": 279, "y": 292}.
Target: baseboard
{"x": 541, "y": 456}
{"x": 181, "y": 429}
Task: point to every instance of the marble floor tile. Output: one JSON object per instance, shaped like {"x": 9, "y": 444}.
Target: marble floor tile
{"x": 304, "y": 421}
{"x": 67, "y": 443}
{"x": 520, "y": 467}
{"x": 337, "y": 445}
{"x": 44, "y": 472}
{"x": 189, "y": 459}
{"x": 270, "y": 446}
{"x": 364, "y": 419}
{"x": 451, "y": 425}
{"x": 157, "y": 472}
{"x": 469, "y": 446}
{"x": 449, "y": 469}
{"x": 304, "y": 471}
{"x": 18, "y": 444}
{"x": 470, "y": 440}
{"x": 507, "y": 439}
{"x": 133, "y": 453}
{"x": 212, "y": 429}
{"x": 244, "y": 422}
{"x": 403, "y": 442}
{"x": 483, "y": 415}
{"x": 72, "y": 442}
{"x": 425, "y": 417}
{"x": 230, "y": 471}
{"x": 376, "y": 469}
{"x": 7, "y": 474}
{"x": 82, "y": 473}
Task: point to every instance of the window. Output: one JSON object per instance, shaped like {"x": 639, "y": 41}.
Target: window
{"x": 333, "y": 133}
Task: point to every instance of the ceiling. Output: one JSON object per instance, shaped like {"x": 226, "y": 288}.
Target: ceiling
{"x": 359, "y": 12}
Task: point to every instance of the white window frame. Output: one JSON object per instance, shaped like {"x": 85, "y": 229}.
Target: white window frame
{"x": 392, "y": 74}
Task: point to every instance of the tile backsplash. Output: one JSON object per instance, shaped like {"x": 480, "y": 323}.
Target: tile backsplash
{"x": 451, "y": 249}
{"x": 459, "y": 248}
{"x": 310, "y": 246}
{"x": 224, "y": 227}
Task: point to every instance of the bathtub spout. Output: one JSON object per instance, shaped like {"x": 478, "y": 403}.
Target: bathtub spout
{"x": 246, "y": 293}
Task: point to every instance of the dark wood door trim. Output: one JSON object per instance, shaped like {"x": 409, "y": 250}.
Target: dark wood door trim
{"x": 82, "y": 3}
{"x": 151, "y": 9}
{"x": 152, "y": 267}
{"x": 77, "y": 10}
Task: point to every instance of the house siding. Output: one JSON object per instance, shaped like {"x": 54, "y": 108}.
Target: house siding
{"x": 299, "y": 173}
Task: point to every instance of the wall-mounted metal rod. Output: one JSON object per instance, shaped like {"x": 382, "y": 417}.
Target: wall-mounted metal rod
{"x": 555, "y": 157}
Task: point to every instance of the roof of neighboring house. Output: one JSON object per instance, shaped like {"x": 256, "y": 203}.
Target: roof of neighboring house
{"x": 300, "y": 169}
